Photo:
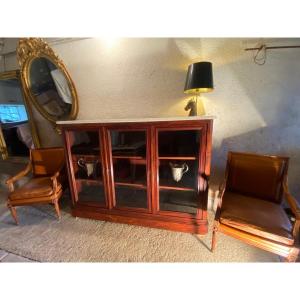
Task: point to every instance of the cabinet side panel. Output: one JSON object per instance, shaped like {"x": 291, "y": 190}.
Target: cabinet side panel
{"x": 106, "y": 166}
{"x": 72, "y": 185}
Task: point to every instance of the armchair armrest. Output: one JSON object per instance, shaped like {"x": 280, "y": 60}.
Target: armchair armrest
{"x": 291, "y": 201}
{"x": 54, "y": 180}
{"x": 221, "y": 191}
{"x": 222, "y": 188}
{"x": 295, "y": 210}
{"x": 11, "y": 180}
{"x": 219, "y": 198}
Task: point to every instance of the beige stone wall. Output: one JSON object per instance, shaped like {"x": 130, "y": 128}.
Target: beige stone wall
{"x": 257, "y": 108}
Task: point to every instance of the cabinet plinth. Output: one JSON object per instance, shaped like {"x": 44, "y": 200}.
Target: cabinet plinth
{"x": 152, "y": 173}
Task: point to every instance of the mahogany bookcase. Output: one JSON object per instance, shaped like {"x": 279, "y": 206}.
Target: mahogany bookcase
{"x": 120, "y": 171}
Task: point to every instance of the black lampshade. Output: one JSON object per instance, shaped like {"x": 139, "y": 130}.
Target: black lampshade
{"x": 199, "y": 78}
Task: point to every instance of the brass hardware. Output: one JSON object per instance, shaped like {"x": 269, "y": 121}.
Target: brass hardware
{"x": 272, "y": 47}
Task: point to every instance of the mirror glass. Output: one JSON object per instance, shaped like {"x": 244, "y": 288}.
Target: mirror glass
{"x": 49, "y": 86}
{"x": 15, "y": 133}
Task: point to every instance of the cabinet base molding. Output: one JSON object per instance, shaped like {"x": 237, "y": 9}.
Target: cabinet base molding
{"x": 188, "y": 226}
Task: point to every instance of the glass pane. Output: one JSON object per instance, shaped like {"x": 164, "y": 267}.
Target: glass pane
{"x": 85, "y": 142}
{"x": 89, "y": 191}
{"x": 130, "y": 168}
{"x": 181, "y": 201}
{"x": 131, "y": 197}
{"x": 178, "y": 170}
{"x": 178, "y": 173}
{"x": 87, "y": 166}
{"x": 131, "y": 171}
{"x": 178, "y": 143}
{"x": 129, "y": 143}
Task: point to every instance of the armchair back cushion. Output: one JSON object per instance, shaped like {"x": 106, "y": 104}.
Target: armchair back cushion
{"x": 47, "y": 161}
{"x": 256, "y": 175}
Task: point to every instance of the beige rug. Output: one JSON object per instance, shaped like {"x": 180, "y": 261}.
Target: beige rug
{"x": 41, "y": 237}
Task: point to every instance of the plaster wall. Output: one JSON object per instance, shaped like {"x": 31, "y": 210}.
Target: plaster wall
{"x": 257, "y": 108}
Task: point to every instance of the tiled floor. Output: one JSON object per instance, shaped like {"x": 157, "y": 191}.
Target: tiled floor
{"x": 10, "y": 257}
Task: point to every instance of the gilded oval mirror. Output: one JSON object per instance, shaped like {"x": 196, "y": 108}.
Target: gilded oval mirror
{"x": 47, "y": 81}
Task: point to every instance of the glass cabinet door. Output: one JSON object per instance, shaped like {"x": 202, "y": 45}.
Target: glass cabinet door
{"x": 87, "y": 166}
{"x": 129, "y": 158}
{"x": 178, "y": 164}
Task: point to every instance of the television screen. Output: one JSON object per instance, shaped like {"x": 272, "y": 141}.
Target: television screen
{"x": 10, "y": 113}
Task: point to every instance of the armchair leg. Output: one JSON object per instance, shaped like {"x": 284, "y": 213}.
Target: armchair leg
{"x": 57, "y": 209}
{"x": 13, "y": 212}
{"x": 214, "y": 238}
{"x": 293, "y": 255}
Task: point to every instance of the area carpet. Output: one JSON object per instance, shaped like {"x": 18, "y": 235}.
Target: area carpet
{"x": 41, "y": 237}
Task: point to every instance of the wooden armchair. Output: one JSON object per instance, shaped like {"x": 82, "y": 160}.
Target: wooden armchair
{"x": 249, "y": 204}
{"x": 45, "y": 186}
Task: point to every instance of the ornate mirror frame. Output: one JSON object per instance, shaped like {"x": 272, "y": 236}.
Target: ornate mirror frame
{"x": 15, "y": 74}
{"x": 31, "y": 48}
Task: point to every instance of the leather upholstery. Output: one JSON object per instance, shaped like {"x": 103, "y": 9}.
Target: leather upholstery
{"x": 46, "y": 185}
{"x": 47, "y": 161}
{"x": 34, "y": 188}
{"x": 256, "y": 175}
{"x": 256, "y": 216}
{"x": 250, "y": 205}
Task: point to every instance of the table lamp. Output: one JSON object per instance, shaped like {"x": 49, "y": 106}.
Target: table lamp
{"x": 199, "y": 79}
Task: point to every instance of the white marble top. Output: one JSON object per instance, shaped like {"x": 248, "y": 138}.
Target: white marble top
{"x": 135, "y": 120}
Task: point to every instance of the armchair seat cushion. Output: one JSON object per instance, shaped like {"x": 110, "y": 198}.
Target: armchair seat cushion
{"x": 34, "y": 188}
{"x": 256, "y": 216}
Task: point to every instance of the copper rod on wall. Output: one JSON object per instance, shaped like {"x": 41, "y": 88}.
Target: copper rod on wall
{"x": 272, "y": 47}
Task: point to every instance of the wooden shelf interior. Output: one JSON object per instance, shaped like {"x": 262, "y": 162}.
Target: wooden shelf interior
{"x": 90, "y": 157}
{"x": 177, "y": 158}
{"x": 90, "y": 181}
{"x": 175, "y": 188}
{"x": 130, "y": 166}
{"x": 131, "y": 185}
{"x": 128, "y": 157}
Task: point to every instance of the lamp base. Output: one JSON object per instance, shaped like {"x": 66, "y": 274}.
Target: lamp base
{"x": 192, "y": 106}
